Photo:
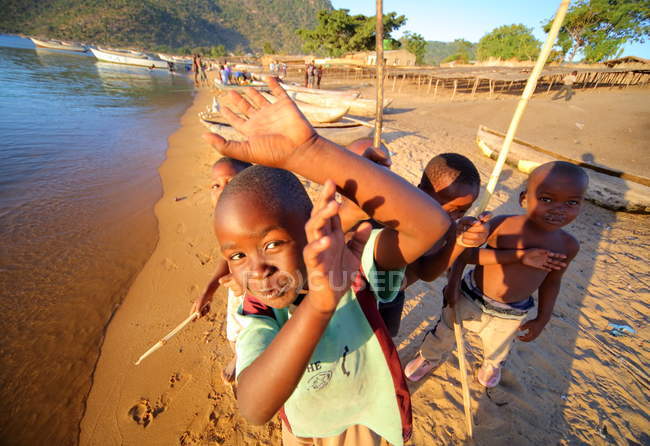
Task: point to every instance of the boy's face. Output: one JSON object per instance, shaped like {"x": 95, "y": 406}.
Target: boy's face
{"x": 553, "y": 200}
{"x": 455, "y": 199}
{"x": 220, "y": 175}
{"x": 263, "y": 250}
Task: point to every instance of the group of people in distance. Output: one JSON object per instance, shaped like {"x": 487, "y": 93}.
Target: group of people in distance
{"x": 314, "y": 289}
{"x": 313, "y": 75}
{"x": 278, "y": 68}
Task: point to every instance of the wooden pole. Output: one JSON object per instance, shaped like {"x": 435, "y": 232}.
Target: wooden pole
{"x": 455, "y": 86}
{"x": 379, "y": 51}
{"x": 476, "y": 82}
{"x": 429, "y": 87}
{"x": 435, "y": 90}
{"x": 394, "y": 80}
{"x": 523, "y": 102}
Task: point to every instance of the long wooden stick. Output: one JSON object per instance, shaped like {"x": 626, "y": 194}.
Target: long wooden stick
{"x": 379, "y": 52}
{"x": 523, "y": 102}
{"x": 169, "y": 335}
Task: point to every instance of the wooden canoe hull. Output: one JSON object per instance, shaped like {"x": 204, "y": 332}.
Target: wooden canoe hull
{"x": 126, "y": 59}
{"x": 608, "y": 188}
{"x": 58, "y": 45}
{"x": 356, "y": 106}
{"x": 316, "y": 113}
{"x": 339, "y": 133}
{"x": 336, "y": 93}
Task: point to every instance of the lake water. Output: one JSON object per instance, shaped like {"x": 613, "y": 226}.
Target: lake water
{"x": 80, "y": 145}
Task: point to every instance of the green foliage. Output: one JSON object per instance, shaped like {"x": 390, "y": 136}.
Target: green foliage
{"x": 174, "y": 24}
{"x": 267, "y": 48}
{"x": 509, "y": 42}
{"x": 438, "y": 52}
{"x": 338, "y": 32}
{"x": 601, "y": 27}
{"x": 415, "y": 44}
{"x": 217, "y": 51}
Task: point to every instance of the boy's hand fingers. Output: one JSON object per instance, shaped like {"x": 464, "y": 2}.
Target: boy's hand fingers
{"x": 555, "y": 255}
{"x": 360, "y": 238}
{"x": 276, "y": 89}
{"x": 235, "y": 149}
{"x": 485, "y": 216}
{"x": 319, "y": 224}
{"x": 232, "y": 118}
{"x": 256, "y": 97}
{"x": 312, "y": 252}
{"x": 239, "y": 103}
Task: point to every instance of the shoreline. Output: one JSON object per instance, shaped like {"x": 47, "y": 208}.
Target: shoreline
{"x": 163, "y": 391}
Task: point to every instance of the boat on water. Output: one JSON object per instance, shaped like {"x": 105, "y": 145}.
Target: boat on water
{"x": 608, "y": 188}
{"x": 343, "y": 132}
{"x": 59, "y": 45}
{"x": 128, "y": 57}
{"x": 175, "y": 59}
{"x": 315, "y": 113}
{"x": 356, "y": 106}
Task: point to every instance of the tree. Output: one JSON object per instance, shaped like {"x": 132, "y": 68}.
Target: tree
{"x": 217, "y": 51}
{"x": 463, "y": 51}
{"x": 509, "y": 42}
{"x": 267, "y": 48}
{"x": 338, "y": 32}
{"x": 415, "y": 44}
{"x": 600, "y": 28}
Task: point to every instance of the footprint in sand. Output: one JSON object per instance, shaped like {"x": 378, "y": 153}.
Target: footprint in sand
{"x": 143, "y": 413}
{"x": 176, "y": 377}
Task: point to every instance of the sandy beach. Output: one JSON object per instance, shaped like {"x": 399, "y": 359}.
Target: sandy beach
{"x": 576, "y": 384}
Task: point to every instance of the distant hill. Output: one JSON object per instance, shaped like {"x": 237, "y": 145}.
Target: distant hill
{"x": 242, "y": 25}
{"x": 437, "y": 51}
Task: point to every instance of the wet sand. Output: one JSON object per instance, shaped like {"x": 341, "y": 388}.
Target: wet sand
{"x": 575, "y": 384}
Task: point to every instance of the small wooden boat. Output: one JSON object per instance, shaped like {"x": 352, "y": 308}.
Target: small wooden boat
{"x": 342, "y": 133}
{"x": 175, "y": 59}
{"x": 609, "y": 188}
{"x": 315, "y": 113}
{"x": 248, "y": 67}
{"x": 352, "y": 94}
{"x": 59, "y": 45}
{"x": 127, "y": 57}
{"x": 358, "y": 106}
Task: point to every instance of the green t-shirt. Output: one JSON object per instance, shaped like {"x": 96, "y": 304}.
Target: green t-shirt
{"x": 352, "y": 376}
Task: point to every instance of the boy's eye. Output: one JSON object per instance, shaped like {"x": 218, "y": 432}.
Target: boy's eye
{"x": 545, "y": 199}
{"x": 215, "y": 186}
{"x": 273, "y": 244}
{"x": 572, "y": 203}
{"x": 236, "y": 256}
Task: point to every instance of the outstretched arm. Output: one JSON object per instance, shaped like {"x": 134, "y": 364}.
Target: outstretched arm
{"x": 279, "y": 136}
{"x": 202, "y": 303}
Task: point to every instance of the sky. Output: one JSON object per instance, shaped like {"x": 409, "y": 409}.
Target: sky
{"x": 470, "y": 19}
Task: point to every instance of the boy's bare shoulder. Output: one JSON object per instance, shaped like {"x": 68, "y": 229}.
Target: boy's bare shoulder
{"x": 570, "y": 242}
{"x": 503, "y": 222}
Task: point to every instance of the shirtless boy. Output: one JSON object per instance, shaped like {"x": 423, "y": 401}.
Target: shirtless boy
{"x": 495, "y": 297}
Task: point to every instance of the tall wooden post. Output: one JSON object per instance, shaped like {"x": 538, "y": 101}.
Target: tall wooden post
{"x": 379, "y": 50}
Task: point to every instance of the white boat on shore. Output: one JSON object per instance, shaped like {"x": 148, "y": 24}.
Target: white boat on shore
{"x": 356, "y": 106}
{"x": 342, "y": 132}
{"x": 175, "y": 59}
{"x": 315, "y": 113}
{"x": 126, "y": 57}
{"x": 59, "y": 45}
{"x": 352, "y": 94}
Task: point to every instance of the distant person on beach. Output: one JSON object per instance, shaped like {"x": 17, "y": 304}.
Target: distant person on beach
{"x": 319, "y": 75}
{"x": 315, "y": 348}
{"x": 224, "y": 75}
{"x": 195, "y": 69}
{"x": 306, "y": 75}
{"x": 223, "y": 171}
{"x": 524, "y": 254}
{"x": 200, "y": 66}
{"x": 567, "y": 86}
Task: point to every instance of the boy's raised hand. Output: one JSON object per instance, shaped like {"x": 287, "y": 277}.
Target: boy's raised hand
{"x": 473, "y": 232}
{"x": 331, "y": 263}
{"x": 273, "y": 131}
{"x": 543, "y": 259}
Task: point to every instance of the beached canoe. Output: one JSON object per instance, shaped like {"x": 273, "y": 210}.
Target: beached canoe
{"x": 175, "y": 59}
{"x": 126, "y": 57}
{"x": 609, "y": 188}
{"x": 342, "y": 133}
{"x": 316, "y": 113}
{"x": 336, "y": 93}
{"x": 59, "y": 45}
{"x": 356, "y": 106}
